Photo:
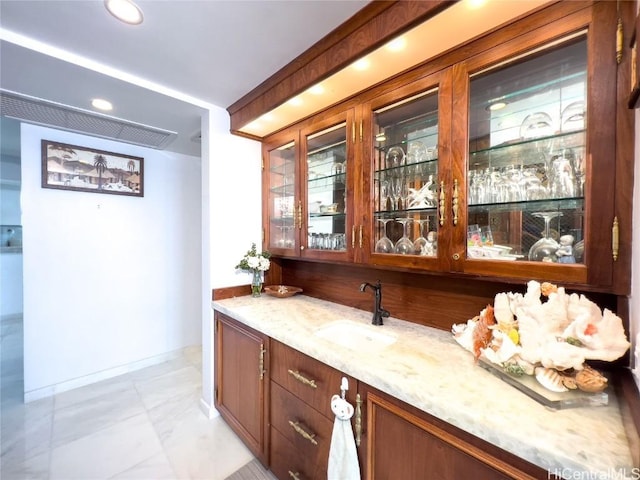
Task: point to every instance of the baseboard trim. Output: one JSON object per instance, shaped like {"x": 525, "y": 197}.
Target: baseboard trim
{"x": 50, "y": 390}
{"x": 209, "y": 410}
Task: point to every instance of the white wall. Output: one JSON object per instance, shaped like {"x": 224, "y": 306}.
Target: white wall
{"x": 109, "y": 280}
{"x": 232, "y": 199}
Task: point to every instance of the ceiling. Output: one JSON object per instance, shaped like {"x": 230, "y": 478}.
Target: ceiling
{"x": 187, "y": 55}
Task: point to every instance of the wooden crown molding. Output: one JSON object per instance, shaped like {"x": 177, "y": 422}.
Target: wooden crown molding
{"x": 365, "y": 31}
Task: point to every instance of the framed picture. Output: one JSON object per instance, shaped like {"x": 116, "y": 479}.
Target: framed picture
{"x": 70, "y": 167}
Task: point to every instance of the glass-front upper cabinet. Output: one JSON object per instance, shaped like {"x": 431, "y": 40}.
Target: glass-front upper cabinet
{"x": 527, "y": 158}
{"x": 327, "y": 166}
{"x": 405, "y": 177}
{"x": 282, "y": 210}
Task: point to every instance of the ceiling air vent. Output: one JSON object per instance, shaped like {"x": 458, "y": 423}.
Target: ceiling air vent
{"x": 50, "y": 114}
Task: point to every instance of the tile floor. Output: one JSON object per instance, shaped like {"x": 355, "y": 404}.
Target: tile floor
{"x": 145, "y": 425}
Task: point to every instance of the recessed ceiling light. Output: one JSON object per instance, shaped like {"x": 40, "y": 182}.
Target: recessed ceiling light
{"x": 125, "y": 11}
{"x": 475, "y": 4}
{"x": 362, "y": 64}
{"x": 396, "y": 44}
{"x": 101, "y": 104}
{"x": 295, "y": 101}
{"x": 317, "y": 89}
{"x": 496, "y": 106}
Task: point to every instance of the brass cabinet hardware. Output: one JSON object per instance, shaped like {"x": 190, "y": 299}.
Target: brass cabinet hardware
{"x": 353, "y": 236}
{"x": 442, "y": 203}
{"x": 360, "y": 236}
{"x": 615, "y": 238}
{"x": 302, "y": 379}
{"x": 456, "y": 256}
{"x": 261, "y": 362}
{"x": 303, "y": 433}
{"x": 619, "y": 41}
{"x": 454, "y": 202}
{"x": 361, "y": 131}
{"x": 300, "y": 215}
{"x": 353, "y": 132}
{"x": 358, "y": 419}
{"x": 294, "y": 475}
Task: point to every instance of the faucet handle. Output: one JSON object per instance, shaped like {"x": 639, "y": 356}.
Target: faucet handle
{"x": 385, "y": 313}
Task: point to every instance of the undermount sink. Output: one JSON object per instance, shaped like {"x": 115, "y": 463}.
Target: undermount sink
{"x": 356, "y": 336}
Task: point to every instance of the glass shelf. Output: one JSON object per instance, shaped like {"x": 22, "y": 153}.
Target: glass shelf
{"x": 287, "y": 190}
{"x": 575, "y": 203}
{"x": 526, "y": 152}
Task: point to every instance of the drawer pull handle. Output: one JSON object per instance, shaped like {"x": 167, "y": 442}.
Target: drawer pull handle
{"x": 303, "y": 433}
{"x": 294, "y": 475}
{"x": 302, "y": 379}
{"x": 358, "y": 419}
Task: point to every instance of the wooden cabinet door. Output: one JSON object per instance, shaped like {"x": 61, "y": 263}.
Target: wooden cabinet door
{"x": 281, "y": 204}
{"x": 241, "y": 382}
{"x": 403, "y": 444}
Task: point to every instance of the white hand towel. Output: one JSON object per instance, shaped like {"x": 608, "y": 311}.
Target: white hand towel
{"x": 343, "y": 457}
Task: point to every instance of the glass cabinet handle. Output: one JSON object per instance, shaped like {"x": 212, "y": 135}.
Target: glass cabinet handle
{"x": 441, "y": 205}
{"x": 454, "y": 202}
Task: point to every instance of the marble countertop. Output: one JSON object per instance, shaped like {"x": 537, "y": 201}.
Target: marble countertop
{"x": 426, "y": 368}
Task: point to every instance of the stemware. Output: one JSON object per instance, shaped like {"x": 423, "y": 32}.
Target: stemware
{"x": 384, "y": 244}
{"x": 404, "y": 246}
{"x": 420, "y": 243}
{"x": 544, "y": 250}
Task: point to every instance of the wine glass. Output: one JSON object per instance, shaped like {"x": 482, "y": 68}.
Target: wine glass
{"x": 404, "y": 246}
{"x": 420, "y": 242}
{"x": 384, "y": 244}
{"x": 544, "y": 250}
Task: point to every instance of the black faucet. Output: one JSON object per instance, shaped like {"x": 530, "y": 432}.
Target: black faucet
{"x": 378, "y": 312}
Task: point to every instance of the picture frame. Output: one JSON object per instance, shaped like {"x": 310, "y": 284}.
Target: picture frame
{"x": 85, "y": 169}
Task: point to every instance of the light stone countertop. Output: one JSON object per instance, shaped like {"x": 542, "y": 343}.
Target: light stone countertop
{"x": 426, "y": 368}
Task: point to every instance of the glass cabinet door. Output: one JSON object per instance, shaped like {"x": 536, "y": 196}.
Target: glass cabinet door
{"x": 405, "y": 176}
{"x": 283, "y": 212}
{"x": 326, "y": 191}
{"x": 527, "y": 167}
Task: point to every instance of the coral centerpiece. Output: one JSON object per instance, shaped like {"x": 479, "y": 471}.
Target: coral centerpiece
{"x": 550, "y": 339}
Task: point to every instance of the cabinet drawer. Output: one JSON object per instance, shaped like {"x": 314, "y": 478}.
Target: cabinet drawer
{"x": 288, "y": 463}
{"x": 308, "y": 379}
{"x": 304, "y": 427}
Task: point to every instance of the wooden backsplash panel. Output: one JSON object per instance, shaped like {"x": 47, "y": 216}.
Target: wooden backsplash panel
{"x": 433, "y": 300}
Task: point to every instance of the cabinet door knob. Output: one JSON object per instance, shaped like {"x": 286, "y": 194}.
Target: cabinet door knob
{"x": 302, "y": 379}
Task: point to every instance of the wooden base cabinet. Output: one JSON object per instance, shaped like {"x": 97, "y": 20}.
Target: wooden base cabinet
{"x": 301, "y": 417}
{"x": 405, "y": 443}
{"x": 241, "y": 382}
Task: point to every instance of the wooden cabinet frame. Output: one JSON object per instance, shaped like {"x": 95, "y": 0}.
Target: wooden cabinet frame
{"x": 610, "y": 150}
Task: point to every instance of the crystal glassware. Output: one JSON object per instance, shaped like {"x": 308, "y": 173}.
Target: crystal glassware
{"x": 404, "y": 246}
{"x": 384, "y": 244}
{"x": 420, "y": 242}
{"x": 544, "y": 250}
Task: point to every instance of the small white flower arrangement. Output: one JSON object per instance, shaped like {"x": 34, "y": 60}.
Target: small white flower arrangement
{"x": 255, "y": 262}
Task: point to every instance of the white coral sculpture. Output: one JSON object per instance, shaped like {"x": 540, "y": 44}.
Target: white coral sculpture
{"x": 559, "y": 334}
